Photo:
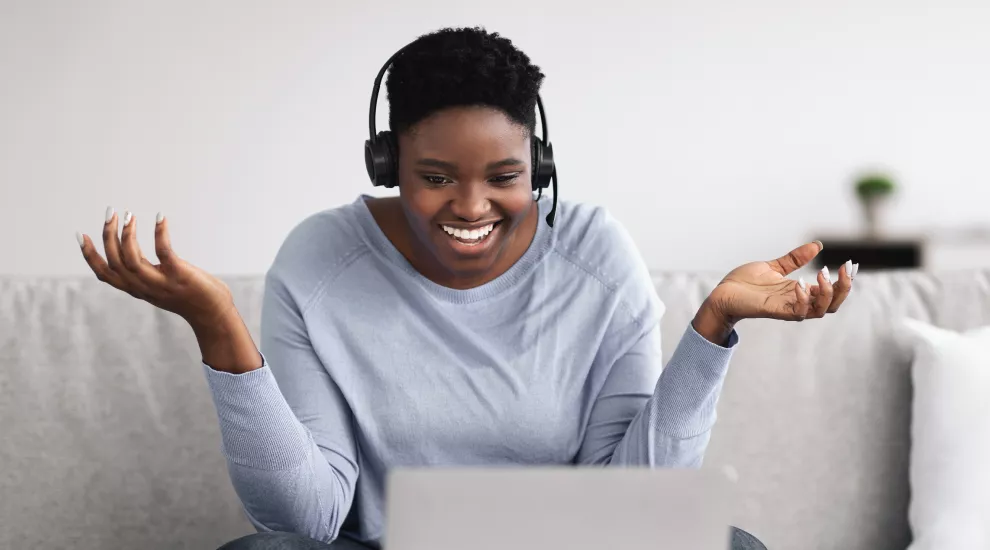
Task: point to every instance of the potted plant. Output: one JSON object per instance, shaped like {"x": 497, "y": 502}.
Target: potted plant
{"x": 873, "y": 190}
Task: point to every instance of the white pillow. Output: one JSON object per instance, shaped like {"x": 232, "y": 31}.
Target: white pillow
{"x": 950, "y": 439}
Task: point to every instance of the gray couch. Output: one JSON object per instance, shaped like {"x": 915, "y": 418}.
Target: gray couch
{"x": 109, "y": 439}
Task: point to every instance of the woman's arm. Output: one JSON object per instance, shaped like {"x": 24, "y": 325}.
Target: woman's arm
{"x": 289, "y": 446}
{"x": 286, "y": 430}
{"x": 643, "y": 417}
{"x": 633, "y": 421}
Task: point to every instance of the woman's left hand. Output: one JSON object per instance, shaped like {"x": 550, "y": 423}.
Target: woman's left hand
{"x": 762, "y": 290}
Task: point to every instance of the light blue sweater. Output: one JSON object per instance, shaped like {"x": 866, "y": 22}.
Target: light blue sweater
{"x": 370, "y": 366}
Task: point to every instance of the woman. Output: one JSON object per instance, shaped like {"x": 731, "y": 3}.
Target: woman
{"x": 449, "y": 325}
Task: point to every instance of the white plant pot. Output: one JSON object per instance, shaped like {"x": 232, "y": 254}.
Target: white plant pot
{"x": 874, "y": 210}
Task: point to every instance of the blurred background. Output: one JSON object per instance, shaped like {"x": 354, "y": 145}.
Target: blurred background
{"x": 719, "y": 132}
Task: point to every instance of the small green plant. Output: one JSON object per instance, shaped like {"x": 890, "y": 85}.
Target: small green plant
{"x": 874, "y": 186}
{"x": 872, "y": 190}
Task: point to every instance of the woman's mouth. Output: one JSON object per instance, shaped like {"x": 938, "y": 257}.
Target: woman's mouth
{"x": 473, "y": 240}
{"x": 469, "y": 236}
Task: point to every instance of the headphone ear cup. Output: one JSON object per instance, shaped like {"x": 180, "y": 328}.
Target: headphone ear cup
{"x": 380, "y": 160}
{"x": 392, "y": 146}
{"x": 543, "y": 167}
{"x": 534, "y": 167}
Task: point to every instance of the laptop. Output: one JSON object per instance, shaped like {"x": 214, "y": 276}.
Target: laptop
{"x": 550, "y": 508}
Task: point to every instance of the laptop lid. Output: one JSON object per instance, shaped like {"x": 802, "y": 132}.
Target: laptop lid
{"x": 568, "y": 508}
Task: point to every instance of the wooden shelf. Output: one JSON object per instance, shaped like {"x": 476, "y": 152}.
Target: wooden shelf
{"x": 872, "y": 254}
{"x": 930, "y": 250}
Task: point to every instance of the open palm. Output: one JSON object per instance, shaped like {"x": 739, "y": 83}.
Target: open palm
{"x": 173, "y": 285}
{"x": 762, "y": 289}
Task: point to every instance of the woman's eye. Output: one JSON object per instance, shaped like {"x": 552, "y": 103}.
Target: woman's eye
{"x": 436, "y": 180}
{"x": 504, "y": 179}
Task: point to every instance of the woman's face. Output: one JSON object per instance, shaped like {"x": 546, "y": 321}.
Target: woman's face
{"x": 464, "y": 181}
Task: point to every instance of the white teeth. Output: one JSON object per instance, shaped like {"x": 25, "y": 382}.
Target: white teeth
{"x": 469, "y": 234}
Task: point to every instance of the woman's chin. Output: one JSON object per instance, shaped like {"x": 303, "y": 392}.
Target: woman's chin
{"x": 468, "y": 271}
{"x": 477, "y": 270}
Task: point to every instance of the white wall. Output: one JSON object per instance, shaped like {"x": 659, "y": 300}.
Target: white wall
{"x": 718, "y": 131}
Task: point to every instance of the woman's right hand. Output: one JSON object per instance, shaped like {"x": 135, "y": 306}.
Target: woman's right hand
{"x": 174, "y": 285}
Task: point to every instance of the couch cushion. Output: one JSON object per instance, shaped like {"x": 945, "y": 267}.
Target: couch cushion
{"x": 109, "y": 437}
{"x": 950, "y": 438}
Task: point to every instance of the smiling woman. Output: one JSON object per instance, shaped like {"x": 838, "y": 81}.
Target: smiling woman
{"x": 463, "y": 108}
{"x": 448, "y": 325}
{"x": 466, "y": 212}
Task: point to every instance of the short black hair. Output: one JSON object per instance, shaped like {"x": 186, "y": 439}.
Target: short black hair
{"x": 461, "y": 67}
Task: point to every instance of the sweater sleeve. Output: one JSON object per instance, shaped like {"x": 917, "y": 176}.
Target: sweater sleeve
{"x": 630, "y": 425}
{"x": 286, "y": 430}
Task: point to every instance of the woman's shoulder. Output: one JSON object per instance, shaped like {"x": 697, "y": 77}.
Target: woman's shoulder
{"x": 592, "y": 239}
{"x": 319, "y": 245}
{"x": 590, "y": 235}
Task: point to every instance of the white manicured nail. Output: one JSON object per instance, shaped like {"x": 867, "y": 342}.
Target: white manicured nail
{"x": 80, "y": 239}
{"x": 127, "y": 218}
{"x": 825, "y": 273}
{"x": 159, "y": 218}
{"x": 109, "y": 213}
{"x": 855, "y": 269}
{"x": 849, "y": 268}
{"x": 802, "y": 284}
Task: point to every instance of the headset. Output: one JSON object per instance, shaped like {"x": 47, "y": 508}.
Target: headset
{"x": 381, "y": 151}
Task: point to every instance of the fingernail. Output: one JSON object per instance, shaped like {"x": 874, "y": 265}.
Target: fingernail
{"x": 821, "y": 245}
{"x": 109, "y": 213}
{"x": 855, "y": 269}
{"x": 825, "y": 273}
{"x": 802, "y": 284}
{"x": 80, "y": 239}
{"x": 127, "y": 218}
{"x": 849, "y": 268}
{"x": 159, "y": 218}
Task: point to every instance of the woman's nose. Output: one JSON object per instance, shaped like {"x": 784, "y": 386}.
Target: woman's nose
{"x": 471, "y": 202}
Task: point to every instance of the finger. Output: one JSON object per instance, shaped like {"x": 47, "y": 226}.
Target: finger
{"x": 127, "y": 281}
{"x": 802, "y": 300}
{"x": 842, "y": 286}
{"x": 134, "y": 261}
{"x": 98, "y": 264}
{"x": 823, "y": 296}
{"x": 797, "y": 258}
{"x": 163, "y": 245}
{"x": 111, "y": 244}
